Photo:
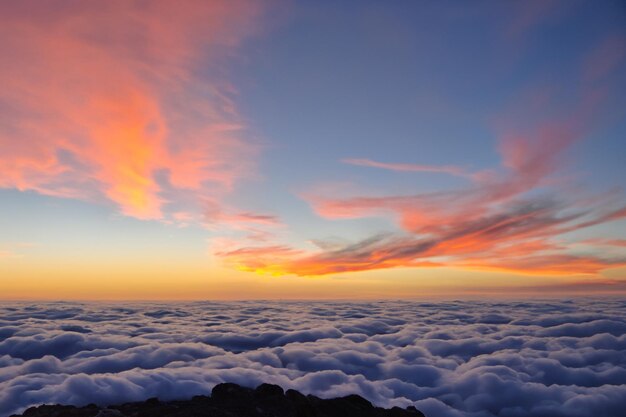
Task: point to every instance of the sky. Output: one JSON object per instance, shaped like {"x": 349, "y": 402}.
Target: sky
{"x": 292, "y": 149}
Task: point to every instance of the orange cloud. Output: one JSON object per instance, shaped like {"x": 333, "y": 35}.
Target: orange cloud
{"x": 499, "y": 223}
{"x": 511, "y": 219}
{"x": 518, "y": 237}
{"x": 265, "y": 259}
{"x": 118, "y": 101}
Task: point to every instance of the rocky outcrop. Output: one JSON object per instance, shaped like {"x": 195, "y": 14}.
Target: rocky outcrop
{"x": 232, "y": 400}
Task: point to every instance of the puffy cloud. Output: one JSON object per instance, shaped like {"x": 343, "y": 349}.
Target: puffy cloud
{"x": 450, "y": 359}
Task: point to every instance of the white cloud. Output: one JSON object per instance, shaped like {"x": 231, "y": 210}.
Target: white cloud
{"x": 450, "y": 359}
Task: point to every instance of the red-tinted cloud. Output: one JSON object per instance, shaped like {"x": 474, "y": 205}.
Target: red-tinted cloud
{"x": 120, "y": 101}
{"x": 513, "y": 218}
{"x": 520, "y": 236}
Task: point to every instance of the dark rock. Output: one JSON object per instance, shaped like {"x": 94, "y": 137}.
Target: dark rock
{"x": 232, "y": 400}
{"x": 301, "y": 403}
{"x": 227, "y": 392}
{"x": 268, "y": 391}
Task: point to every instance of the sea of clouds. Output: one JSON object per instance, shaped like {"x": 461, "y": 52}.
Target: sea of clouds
{"x": 461, "y": 358}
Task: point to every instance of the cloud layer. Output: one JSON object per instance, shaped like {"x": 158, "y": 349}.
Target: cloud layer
{"x": 449, "y": 359}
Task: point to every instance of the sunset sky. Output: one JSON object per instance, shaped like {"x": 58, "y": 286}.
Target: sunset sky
{"x": 324, "y": 149}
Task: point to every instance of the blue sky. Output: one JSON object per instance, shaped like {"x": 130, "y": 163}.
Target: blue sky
{"x": 322, "y": 139}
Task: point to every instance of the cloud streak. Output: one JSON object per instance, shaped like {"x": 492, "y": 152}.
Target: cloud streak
{"x": 496, "y": 224}
{"x": 443, "y": 169}
{"x": 515, "y": 217}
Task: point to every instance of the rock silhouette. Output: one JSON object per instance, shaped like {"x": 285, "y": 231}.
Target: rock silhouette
{"x": 232, "y": 400}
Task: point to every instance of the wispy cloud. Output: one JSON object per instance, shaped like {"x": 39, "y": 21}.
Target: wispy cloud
{"x": 605, "y": 242}
{"x": 12, "y": 250}
{"x": 403, "y": 167}
{"x": 4, "y": 254}
{"x": 520, "y": 237}
{"x": 512, "y": 218}
{"x": 529, "y": 14}
{"x": 122, "y": 101}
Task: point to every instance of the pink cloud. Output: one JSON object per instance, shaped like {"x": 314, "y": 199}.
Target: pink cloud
{"x": 98, "y": 98}
{"x": 529, "y": 14}
{"x": 605, "y": 59}
{"x": 510, "y": 219}
{"x": 517, "y": 237}
{"x": 216, "y": 215}
{"x": 605, "y": 242}
{"x": 444, "y": 169}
